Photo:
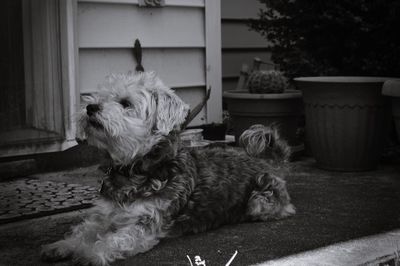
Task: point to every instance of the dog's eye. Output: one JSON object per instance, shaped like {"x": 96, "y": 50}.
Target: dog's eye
{"x": 125, "y": 103}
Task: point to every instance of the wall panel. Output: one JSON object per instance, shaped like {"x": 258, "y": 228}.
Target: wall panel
{"x": 236, "y": 34}
{"x": 233, "y": 60}
{"x": 240, "y": 9}
{"x": 239, "y": 44}
{"x": 118, "y": 25}
{"x": 176, "y": 67}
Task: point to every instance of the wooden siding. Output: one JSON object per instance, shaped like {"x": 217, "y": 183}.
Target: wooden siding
{"x": 118, "y": 25}
{"x": 191, "y": 96}
{"x": 174, "y": 45}
{"x": 176, "y": 67}
{"x": 239, "y": 44}
{"x": 233, "y": 60}
{"x": 191, "y": 3}
{"x": 239, "y": 9}
{"x": 236, "y": 35}
{"x": 183, "y": 75}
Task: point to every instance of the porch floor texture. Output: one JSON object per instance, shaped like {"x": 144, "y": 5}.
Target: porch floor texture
{"x": 332, "y": 207}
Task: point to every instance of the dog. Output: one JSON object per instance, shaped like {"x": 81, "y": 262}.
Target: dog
{"x": 157, "y": 188}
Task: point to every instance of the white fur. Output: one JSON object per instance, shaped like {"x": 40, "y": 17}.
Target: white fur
{"x": 131, "y": 132}
{"x": 113, "y": 232}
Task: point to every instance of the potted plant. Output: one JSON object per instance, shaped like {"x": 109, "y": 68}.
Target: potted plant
{"x": 339, "y": 48}
{"x": 214, "y": 131}
{"x": 264, "y": 97}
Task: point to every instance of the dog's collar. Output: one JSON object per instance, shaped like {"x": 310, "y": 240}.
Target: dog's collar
{"x": 119, "y": 169}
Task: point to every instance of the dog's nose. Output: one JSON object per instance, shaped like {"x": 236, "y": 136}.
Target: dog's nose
{"x": 92, "y": 108}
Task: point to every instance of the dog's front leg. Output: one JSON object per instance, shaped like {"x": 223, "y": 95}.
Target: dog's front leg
{"x": 82, "y": 239}
{"x": 124, "y": 231}
{"x": 92, "y": 245}
{"x": 133, "y": 229}
{"x": 124, "y": 242}
{"x": 82, "y": 236}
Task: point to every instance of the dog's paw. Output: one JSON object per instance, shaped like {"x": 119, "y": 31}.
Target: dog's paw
{"x": 56, "y": 251}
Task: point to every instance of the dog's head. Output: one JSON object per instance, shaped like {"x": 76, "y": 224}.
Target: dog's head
{"x": 131, "y": 114}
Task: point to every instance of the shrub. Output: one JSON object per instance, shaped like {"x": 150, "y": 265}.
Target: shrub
{"x": 317, "y": 37}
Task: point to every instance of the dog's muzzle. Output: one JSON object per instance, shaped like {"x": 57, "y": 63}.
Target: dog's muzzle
{"x": 91, "y": 109}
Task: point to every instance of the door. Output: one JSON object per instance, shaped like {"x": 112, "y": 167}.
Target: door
{"x": 37, "y": 76}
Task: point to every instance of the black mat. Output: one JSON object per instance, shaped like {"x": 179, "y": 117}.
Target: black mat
{"x": 22, "y": 199}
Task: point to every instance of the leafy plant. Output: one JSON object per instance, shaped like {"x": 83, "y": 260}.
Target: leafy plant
{"x": 329, "y": 37}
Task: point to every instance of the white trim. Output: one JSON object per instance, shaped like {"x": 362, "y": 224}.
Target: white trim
{"x": 189, "y": 3}
{"x": 69, "y": 57}
{"x": 213, "y": 60}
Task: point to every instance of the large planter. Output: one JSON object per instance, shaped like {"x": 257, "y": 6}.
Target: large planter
{"x": 283, "y": 109}
{"x": 392, "y": 88}
{"x": 346, "y": 120}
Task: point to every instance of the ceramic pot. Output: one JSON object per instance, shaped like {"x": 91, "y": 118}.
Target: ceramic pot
{"x": 346, "y": 120}
{"x": 284, "y": 109}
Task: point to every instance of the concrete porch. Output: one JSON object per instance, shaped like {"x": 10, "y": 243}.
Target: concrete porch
{"x": 332, "y": 207}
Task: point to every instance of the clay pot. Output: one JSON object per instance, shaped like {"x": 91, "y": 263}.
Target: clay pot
{"x": 247, "y": 109}
{"x": 346, "y": 120}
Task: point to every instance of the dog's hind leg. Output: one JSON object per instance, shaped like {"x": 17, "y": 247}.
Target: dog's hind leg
{"x": 270, "y": 199}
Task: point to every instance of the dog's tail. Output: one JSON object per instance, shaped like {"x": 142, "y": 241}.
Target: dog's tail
{"x": 265, "y": 141}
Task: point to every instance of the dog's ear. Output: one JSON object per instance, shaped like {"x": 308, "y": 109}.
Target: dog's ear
{"x": 171, "y": 111}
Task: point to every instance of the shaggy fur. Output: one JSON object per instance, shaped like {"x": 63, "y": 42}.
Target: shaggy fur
{"x": 156, "y": 187}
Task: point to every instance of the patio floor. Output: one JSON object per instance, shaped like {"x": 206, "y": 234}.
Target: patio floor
{"x": 331, "y": 207}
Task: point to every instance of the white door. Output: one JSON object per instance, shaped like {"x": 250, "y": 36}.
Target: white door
{"x": 37, "y": 76}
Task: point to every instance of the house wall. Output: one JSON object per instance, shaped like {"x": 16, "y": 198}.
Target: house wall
{"x": 173, "y": 39}
{"x": 239, "y": 44}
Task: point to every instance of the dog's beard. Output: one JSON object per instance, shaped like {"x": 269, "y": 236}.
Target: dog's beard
{"x": 95, "y": 123}
{"x": 125, "y": 139}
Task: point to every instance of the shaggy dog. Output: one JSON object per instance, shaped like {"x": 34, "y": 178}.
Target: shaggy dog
{"x": 157, "y": 188}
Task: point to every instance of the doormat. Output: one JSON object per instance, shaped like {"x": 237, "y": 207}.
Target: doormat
{"x": 31, "y": 198}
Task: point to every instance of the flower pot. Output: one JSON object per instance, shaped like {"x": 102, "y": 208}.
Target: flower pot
{"x": 283, "y": 109}
{"x": 392, "y": 88}
{"x": 346, "y": 120}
